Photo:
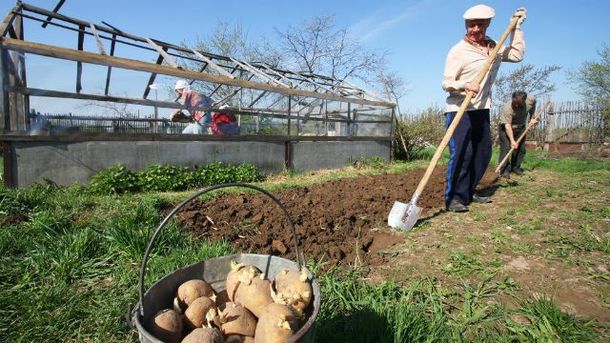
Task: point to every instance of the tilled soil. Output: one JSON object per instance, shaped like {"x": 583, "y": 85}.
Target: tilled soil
{"x": 337, "y": 222}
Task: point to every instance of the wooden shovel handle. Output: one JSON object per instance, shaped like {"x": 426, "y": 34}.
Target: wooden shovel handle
{"x": 460, "y": 113}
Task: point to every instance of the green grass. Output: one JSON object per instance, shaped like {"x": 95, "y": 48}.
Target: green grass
{"x": 356, "y": 311}
{"x": 549, "y": 324}
{"x": 567, "y": 165}
{"x": 70, "y": 270}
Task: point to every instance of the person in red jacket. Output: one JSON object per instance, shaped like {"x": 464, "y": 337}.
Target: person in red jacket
{"x": 224, "y": 122}
{"x": 198, "y": 106}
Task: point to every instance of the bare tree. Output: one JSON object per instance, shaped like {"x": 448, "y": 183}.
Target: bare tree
{"x": 592, "y": 79}
{"x": 117, "y": 110}
{"x": 394, "y": 86}
{"x": 527, "y": 78}
{"x": 317, "y": 46}
{"x": 231, "y": 40}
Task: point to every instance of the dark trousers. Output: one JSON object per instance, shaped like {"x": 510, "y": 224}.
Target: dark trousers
{"x": 470, "y": 153}
{"x": 514, "y": 162}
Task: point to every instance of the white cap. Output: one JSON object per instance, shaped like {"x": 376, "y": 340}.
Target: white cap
{"x": 181, "y": 84}
{"x": 479, "y": 12}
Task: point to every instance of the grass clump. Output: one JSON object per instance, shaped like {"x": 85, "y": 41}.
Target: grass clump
{"x": 354, "y": 310}
{"x": 547, "y": 323}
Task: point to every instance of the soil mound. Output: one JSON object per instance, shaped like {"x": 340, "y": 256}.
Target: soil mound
{"x": 341, "y": 221}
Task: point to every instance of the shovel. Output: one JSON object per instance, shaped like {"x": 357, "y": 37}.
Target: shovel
{"x": 509, "y": 153}
{"x": 404, "y": 216}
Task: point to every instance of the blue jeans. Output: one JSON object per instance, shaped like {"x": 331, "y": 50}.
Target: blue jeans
{"x": 470, "y": 153}
{"x": 198, "y": 128}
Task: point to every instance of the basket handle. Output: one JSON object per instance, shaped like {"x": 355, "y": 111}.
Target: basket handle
{"x": 191, "y": 198}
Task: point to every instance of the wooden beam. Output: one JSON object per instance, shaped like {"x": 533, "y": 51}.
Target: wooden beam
{"x": 220, "y": 84}
{"x": 361, "y": 91}
{"x": 110, "y": 68}
{"x": 213, "y": 65}
{"x": 23, "y": 101}
{"x": 225, "y": 99}
{"x": 254, "y": 71}
{"x": 152, "y": 78}
{"x": 55, "y": 10}
{"x": 87, "y": 57}
{"x": 100, "y": 45}
{"x": 112, "y": 30}
{"x": 79, "y": 64}
{"x": 112, "y": 27}
{"x": 139, "y": 137}
{"x": 94, "y": 97}
{"x": 163, "y": 104}
{"x": 275, "y": 72}
{"x": 12, "y": 33}
{"x": 317, "y": 85}
{"x": 4, "y": 94}
{"x": 12, "y": 79}
{"x": 8, "y": 20}
{"x": 163, "y": 52}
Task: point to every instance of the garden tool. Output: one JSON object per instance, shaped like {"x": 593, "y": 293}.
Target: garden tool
{"x": 510, "y": 152}
{"x": 404, "y": 216}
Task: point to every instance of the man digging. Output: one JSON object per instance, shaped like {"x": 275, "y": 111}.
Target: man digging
{"x": 470, "y": 145}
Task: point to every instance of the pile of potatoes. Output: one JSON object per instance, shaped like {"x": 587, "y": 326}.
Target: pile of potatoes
{"x": 252, "y": 309}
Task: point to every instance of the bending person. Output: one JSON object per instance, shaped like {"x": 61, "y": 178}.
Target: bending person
{"x": 198, "y": 106}
{"x": 512, "y": 124}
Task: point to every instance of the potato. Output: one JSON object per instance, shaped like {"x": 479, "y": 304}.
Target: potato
{"x": 240, "y": 273}
{"x": 195, "y": 314}
{"x": 167, "y": 326}
{"x": 247, "y": 286}
{"x": 221, "y": 298}
{"x": 191, "y": 290}
{"x": 237, "y": 320}
{"x": 254, "y": 295}
{"x": 204, "y": 335}
{"x": 239, "y": 339}
{"x": 291, "y": 287}
{"x": 276, "y": 324}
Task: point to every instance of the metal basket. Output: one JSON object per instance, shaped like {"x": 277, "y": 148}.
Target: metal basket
{"x": 214, "y": 271}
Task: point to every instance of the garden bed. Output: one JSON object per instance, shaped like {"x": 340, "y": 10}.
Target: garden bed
{"x": 338, "y": 222}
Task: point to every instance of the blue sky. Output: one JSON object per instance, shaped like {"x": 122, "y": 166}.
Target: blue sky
{"x": 416, "y": 34}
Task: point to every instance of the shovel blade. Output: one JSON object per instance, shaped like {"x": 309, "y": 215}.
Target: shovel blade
{"x": 403, "y": 216}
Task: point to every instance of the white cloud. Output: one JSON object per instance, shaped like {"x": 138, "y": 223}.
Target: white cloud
{"x": 382, "y": 20}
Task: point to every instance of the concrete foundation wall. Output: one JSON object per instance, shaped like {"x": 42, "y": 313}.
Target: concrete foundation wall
{"x": 324, "y": 155}
{"x": 29, "y": 162}
{"x": 67, "y": 163}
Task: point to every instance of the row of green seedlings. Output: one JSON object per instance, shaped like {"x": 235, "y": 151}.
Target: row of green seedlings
{"x": 164, "y": 178}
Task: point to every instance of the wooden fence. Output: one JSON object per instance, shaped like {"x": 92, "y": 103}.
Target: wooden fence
{"x": 566, "y": 123}
{"x": 572, "y": 122}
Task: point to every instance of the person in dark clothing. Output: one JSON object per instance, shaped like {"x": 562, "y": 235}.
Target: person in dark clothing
{"x": 513, "y": 122}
